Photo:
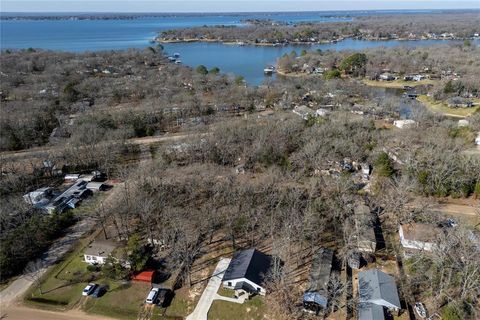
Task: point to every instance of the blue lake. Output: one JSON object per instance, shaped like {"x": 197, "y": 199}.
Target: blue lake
{"x": 248, "y": 61}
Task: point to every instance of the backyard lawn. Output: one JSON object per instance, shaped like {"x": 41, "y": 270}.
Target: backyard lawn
{"x": 122, "y": 301}
{"x": 252, "y": 309}
{"x": 62, "y": 286}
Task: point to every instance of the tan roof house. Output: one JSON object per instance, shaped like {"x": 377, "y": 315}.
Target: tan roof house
{"x": 419, "y": 236}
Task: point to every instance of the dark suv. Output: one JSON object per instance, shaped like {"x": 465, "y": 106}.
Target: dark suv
{"x": 99, "y": 291}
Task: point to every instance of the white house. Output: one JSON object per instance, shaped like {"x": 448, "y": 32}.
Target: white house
{"x": 477, "y": 139}
{"x": 419, "y": 236}
{"x": 98, "y": 251}
{"x": 246, "y": 272}
{"x": 404, "y": 123}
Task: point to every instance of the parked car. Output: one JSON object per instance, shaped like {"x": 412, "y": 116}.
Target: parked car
{"x": 99, "y": 291}
{"x": 163, "y": 298}
{"x": 152, "y": 295}
{"x": 420, "y": 310}
{"x": 89, "y": 289}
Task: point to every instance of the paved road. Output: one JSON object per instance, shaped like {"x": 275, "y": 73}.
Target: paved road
{"x": 210, "y": 292}
{"x": 61, "y": 246}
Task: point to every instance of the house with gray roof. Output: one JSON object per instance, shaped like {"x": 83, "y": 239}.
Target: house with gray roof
{"x": 247, "y": 271}
{"x": 98, "y": 251}
{"x": 377, "y": 294}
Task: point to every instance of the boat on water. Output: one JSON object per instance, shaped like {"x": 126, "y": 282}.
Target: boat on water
{"x": 172, "y": 59}
{"x": 176, "y": 55}
{"x": 269, "y": 70}
{"x": 178, "y": 61}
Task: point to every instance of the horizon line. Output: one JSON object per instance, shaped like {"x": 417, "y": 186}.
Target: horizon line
{"x": 243, "y": 12}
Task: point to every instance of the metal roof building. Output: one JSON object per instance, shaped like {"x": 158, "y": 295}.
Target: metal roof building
{"x": 317, "y": 292}
{"x": 376, "y": 291}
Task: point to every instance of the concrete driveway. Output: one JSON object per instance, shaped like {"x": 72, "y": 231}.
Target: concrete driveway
{"x": 210, "y": 292}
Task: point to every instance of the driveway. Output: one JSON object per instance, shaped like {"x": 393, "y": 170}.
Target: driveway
{"x": 210, "y": 292}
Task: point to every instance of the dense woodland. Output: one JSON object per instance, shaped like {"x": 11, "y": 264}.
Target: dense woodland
{"x": 418, "y": 26}
{"x": 98, "y": 102}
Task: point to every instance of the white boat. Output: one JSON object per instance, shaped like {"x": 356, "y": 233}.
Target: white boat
{"x": 269, "y": 70}
{"x": 178, "y": 61}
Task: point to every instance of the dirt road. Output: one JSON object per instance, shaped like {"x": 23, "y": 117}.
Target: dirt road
{"x": 44, "y": 151}
{"x": 24, "y": 313}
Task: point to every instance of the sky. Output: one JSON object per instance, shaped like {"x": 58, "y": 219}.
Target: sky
{"x": 226, "y": 5}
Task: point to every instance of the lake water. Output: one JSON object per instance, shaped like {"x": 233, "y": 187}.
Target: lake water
{"x": 248, "y": 61}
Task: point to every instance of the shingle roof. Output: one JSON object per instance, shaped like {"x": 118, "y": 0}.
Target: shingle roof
{"x": 377, "y": 287}
{"x": 370, "y": 311}
{"x": 101, "y": 248}
{"x": 250, "y": 264}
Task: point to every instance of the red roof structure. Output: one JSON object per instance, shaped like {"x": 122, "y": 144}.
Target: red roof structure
{"x": 144, "y": 276}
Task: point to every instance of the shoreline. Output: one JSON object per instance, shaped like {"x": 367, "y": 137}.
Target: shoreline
{"x": 301, "y": 43}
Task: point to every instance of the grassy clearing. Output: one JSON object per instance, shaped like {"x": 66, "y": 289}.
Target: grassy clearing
{"x": 61, "y": 286}
{"x": 182, "y": 304}
{"x": 396, "y": 84}
{"x": 122, "y": 301}
{"x": 443, "y": 108}
{"x": 253, "y": 309}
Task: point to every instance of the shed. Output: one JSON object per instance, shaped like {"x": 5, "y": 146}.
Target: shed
{"x": 97, "y": 186}
{"x": 144, "y": 276}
